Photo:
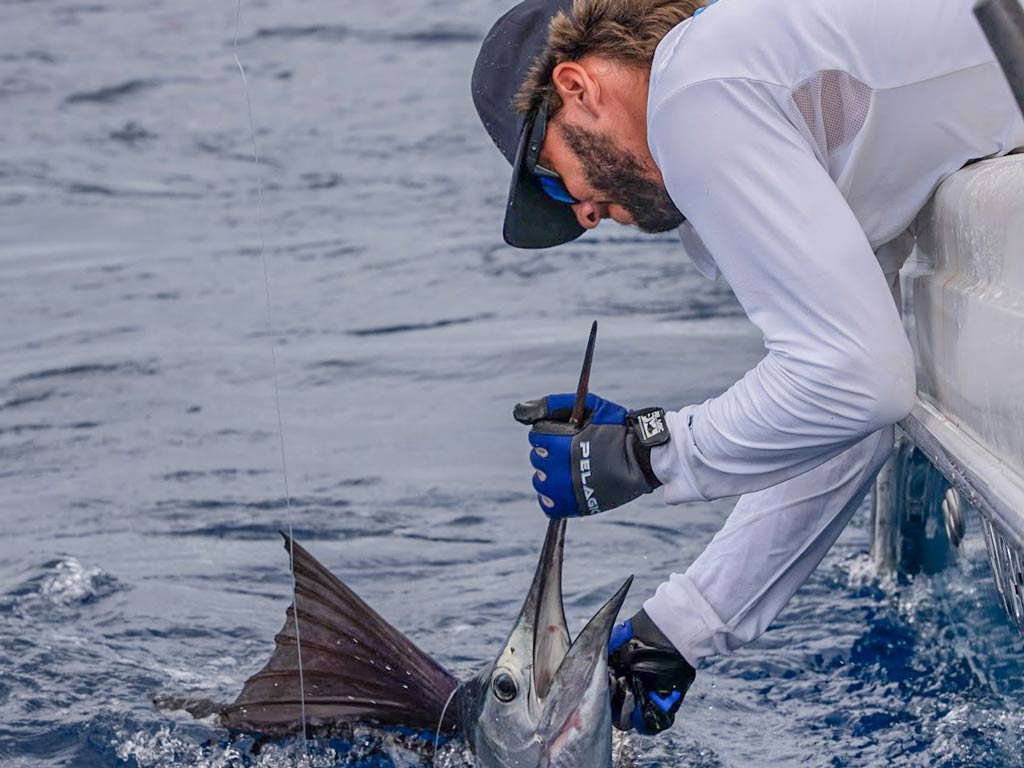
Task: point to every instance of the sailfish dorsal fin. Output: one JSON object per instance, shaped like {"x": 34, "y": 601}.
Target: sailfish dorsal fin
{"x": 356, "y": 667}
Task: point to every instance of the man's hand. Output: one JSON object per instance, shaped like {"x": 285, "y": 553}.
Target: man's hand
{"x": 600, "y": 463}
{"x": 649, "y": 677}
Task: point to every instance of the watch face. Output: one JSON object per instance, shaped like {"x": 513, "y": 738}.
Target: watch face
{"x": 650, "y": 426}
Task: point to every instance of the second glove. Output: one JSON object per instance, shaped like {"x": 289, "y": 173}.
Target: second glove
{"x": 649, "y": 677}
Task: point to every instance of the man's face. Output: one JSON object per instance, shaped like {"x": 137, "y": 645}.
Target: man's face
{"x": 608, "y": 180}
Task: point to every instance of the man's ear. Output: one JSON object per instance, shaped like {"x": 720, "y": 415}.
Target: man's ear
{"x": 577, "y": 87}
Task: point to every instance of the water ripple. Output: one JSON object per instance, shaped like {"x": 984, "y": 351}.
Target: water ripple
{"x": 113, "y": 93}
{"x": 337, "y": 32}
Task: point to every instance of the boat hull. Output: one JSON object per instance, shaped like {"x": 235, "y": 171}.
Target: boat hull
{"x": 965, "y": 316}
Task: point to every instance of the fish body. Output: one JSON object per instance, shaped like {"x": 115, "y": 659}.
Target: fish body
{"x": 542, "y": 702}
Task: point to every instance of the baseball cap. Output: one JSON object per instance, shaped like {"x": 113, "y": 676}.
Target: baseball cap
{"x": 532, "y": 219}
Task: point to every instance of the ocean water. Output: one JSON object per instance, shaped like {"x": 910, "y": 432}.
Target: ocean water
{"x": 141, "y": 487}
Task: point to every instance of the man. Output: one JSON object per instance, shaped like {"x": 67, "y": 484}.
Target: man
{"x": 792, "y": 144}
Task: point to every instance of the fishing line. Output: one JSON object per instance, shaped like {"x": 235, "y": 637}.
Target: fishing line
{"x": 440, "y": 723}
{"x": 273, "y": 358}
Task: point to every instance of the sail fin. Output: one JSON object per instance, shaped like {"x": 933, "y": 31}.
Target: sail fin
{"x": 356, "y": 666}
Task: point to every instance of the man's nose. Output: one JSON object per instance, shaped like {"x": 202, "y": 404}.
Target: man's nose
{"x": 588, "y": 214}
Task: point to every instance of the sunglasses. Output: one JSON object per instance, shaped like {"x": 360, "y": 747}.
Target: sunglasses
{"x": 549, "y": 181}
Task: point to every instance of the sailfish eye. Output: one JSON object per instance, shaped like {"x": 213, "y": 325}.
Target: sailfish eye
{"x": 504, "y": 687}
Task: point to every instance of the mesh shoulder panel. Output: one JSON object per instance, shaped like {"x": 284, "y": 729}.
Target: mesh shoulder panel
{"x": 833, "y": 106}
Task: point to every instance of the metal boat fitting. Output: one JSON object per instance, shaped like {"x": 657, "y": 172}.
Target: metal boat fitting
{"x": 953, "y": 516}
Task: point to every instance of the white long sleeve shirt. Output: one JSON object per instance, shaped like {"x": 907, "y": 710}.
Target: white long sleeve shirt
{"x": 798, "y": 138}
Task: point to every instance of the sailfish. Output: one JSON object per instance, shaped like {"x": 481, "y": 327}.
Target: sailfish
{"x": 542, "y": 702}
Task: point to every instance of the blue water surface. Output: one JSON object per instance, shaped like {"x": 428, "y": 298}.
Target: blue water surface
{"x": 142, "y": 486}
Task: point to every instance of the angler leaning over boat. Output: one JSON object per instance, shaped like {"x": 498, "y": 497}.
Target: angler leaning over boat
{"x": 792, "y": 145}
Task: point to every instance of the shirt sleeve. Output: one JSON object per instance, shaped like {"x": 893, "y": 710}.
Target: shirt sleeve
{"x": 838, "y": 364}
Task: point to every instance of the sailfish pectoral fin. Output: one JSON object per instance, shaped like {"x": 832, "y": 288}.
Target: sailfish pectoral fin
{"x": 356, "y": 667}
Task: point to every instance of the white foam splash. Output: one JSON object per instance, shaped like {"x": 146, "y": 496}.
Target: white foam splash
{"x": 165, "y": 749}
{"x": 454, "y": 754}
{"x": 72, "y": 583}
{"x": 624, "y": 749}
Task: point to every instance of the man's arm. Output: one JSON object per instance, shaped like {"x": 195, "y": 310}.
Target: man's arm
{"x": 839, "y": 366}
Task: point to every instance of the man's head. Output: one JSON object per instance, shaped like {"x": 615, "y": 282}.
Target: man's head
{"x": 562, "y": 88}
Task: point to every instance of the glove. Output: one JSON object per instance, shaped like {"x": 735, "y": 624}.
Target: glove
{"x": 649, "y": 677}
{"x": 599, "y": 464}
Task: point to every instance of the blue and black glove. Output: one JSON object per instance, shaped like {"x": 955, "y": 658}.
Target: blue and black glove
{"x": 600, "y": 463}
{"x": 649, "y": 677}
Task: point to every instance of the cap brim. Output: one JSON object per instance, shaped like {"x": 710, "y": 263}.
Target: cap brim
{"x": 532, "y": 219}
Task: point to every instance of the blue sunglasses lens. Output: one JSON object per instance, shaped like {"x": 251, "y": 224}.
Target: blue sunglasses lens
{"x": 556, "y": 190}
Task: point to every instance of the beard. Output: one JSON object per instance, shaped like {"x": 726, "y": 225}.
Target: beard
{"x": 619, "y": 177}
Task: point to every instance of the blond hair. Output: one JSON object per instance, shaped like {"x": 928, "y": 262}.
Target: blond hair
{"x": 625, "y": 31}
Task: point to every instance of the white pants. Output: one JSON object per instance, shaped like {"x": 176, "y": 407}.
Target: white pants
{"x": 770, "y": 545}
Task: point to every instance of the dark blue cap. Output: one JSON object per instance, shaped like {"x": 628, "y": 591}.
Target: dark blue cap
{"x": 532, "y": 219}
